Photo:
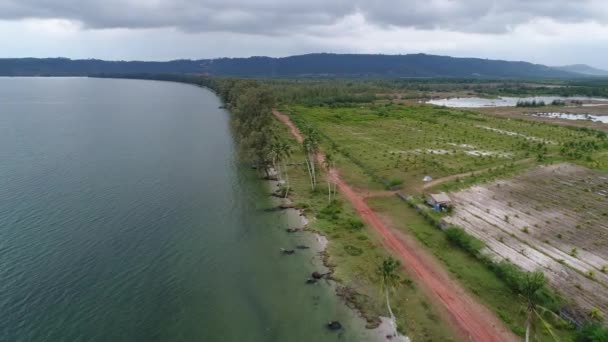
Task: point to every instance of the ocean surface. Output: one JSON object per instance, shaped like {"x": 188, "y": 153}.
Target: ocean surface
{"x": 125, "y": 215}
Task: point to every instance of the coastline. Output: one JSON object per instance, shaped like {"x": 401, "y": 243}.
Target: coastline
{"x": 370, "y": 331}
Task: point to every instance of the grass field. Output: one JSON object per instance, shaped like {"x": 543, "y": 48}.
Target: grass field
{"x": 401, "y": 144}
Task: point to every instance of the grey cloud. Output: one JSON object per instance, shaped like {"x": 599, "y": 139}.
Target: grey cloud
{"x": 283, "y": 17}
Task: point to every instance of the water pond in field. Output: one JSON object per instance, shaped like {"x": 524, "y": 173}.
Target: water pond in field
{"x": 570, "y": 116}
{"x": 479, "y": 102}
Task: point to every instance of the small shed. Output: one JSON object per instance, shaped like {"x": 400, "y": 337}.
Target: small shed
{"x": 439, "y": 201}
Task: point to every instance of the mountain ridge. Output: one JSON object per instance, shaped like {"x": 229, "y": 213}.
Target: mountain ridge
{"x": 583, "y": 69}
{"x": 307, "y": 65}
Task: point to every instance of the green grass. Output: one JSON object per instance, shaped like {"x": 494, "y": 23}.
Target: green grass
{"x": 390, "y": 142}
{"x": 355, "y": 252}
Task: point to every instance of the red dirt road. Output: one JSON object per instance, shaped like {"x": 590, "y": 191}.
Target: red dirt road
{"x": 474, "y": 321}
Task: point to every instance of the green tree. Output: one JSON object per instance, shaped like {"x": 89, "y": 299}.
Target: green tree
{"x": 285, "y": 149}
{"x": 310, "y": 145}
{"x": 388, "y": 275}
{"x": 252, "y": 122}
{"x": 329, "y": 165}
{"x": 532, "y": 283}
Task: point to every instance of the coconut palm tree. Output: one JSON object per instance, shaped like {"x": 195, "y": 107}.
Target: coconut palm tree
{"x": 275, "y": 155}
{"x": 531, "y": 285}
{"x": 387, "y": 272}
{"x": 310, "y": 146}
{"x": 286, "y": 154}
{"x": 329, "y": 164}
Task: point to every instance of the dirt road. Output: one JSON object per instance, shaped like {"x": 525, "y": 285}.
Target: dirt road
{"x": 474, "y": 321}
{"x": 467, "y": 174}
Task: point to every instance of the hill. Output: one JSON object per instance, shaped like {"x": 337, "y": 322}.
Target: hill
{"x": 583, "y": 69}
{"x": 311, "y": 65}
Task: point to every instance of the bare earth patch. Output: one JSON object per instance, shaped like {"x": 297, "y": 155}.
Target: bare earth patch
{"x": 552, "y": 218}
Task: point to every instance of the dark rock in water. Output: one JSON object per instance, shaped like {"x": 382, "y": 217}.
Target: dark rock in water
{"x": 334, "y": 325}
{"x": 287, "y": 251}
{"x": 302, "y": 247}
{"x": 293, "y": 230}
{"x": 317, "y": 275}
{"x": 311, "y": 281}
{"x": 287, "y": 206}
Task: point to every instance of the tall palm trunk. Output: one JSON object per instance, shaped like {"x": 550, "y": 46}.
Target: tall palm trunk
{"x": 312, "y": 184}
{"x": 528, "y": 324}
{"x": 276, "y": 169}
{"x": 328, "y": 190}
{"x": 312, "y": 167}
{"x": 390, "y": 311}
{"x": 286, "y": 178}
{"x": 335, "y": 189}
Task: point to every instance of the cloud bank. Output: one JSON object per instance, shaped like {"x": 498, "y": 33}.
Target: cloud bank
{"x": 276, "y": 16}
{"x": 543, "y": 31}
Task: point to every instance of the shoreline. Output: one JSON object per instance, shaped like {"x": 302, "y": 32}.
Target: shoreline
{"x": 383, "y": 328}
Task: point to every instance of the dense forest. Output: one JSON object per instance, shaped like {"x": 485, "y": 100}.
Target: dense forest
{"x": 311, "y": 65}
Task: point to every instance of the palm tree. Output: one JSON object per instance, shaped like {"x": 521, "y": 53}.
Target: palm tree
{"x": 530, "y": 288}
{"x": 387, "y": 271}
{"x": 329, "y": 164}
{"x": 275, "y": 155}
{"x": 286, "y": 154}
{"x": 311, "y": 147}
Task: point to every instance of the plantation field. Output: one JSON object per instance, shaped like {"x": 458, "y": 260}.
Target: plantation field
{"x": 390, "y": 145}
{"x": 400, "y": 144}
{"x": 552, "y": 218}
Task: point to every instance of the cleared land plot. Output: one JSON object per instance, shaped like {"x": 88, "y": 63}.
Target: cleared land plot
{"x": 553, "y": 218}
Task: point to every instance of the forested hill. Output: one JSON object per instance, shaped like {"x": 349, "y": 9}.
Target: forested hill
{"x": 311, "y": 65}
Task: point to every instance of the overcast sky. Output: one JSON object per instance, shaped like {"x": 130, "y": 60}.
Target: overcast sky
{"x": 552, "y": 32}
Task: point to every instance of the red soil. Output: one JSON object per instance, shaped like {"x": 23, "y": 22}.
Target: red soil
{"x": 474, "y": 321}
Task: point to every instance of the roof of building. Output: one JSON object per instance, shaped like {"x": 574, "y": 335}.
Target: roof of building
{"x": 439, "y": 198}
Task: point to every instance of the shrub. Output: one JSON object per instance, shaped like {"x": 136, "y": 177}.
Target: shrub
{"x": 514, "y": 277}
{"x": 352, "y": 250}
{"x": 460, "y": 238}
{"x": 354, "y": 224}
{"x": 394, "y": 183}
{"x": 331, "y": 212}
{"x": 591, "y": 332}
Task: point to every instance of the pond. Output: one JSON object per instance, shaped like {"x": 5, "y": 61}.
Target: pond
{"x": 570, "y": 116}
{"x": 479, "y": 102}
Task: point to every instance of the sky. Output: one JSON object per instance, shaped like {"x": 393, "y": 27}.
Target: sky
{"x": 552, "y": 32}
